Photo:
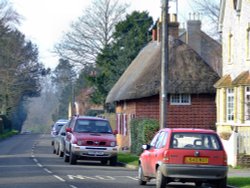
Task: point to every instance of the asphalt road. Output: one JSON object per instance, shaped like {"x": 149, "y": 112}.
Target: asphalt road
{"x": 27, "y": 161}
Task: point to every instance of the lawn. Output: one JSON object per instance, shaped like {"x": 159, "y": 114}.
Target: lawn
{"x": 128, "y": 158}
{"x": 242, "y": 182}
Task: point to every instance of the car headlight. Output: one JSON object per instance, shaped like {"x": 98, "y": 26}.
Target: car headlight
{"x": 79, "y": 142}
{"x": 112, "y": 144}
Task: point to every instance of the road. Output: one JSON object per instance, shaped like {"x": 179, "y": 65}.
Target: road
{"x": 26, "y": 161}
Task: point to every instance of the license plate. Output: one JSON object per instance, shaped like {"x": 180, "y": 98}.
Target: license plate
{"x": 95, "y": 152}
{"x": 196, "y": 160}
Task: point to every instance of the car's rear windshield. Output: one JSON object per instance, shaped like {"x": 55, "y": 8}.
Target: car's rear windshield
{"x": 195, "y": 141}
{"x": 92, "y": 126}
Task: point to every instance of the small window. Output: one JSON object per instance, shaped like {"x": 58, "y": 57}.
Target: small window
{"x": 230, "y": 45}
{"x": 180, "y": 99}
{"x": 162, "y": 140}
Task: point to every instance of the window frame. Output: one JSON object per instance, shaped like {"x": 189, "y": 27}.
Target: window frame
{"x": 179, "y": 100}
{"x": 230, "y": 104}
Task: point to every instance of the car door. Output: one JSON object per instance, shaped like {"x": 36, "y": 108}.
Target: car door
{"x": 158, "y": 152}
{"x": 146, "y": 156}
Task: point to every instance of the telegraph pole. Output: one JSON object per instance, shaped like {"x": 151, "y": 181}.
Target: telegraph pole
{"x": 164, "y": 65}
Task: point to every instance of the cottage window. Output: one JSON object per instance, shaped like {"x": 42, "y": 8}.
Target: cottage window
{"x": 247, "y": 104}
{"x": 230, "y": 104}
{"x": 180, "y": 99}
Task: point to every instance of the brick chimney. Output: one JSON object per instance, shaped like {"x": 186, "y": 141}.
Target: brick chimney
{"x": 193, "y": 34}
{"x": 173, "y": 28}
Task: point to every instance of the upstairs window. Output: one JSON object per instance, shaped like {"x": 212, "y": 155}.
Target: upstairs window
{"x": 230, "y": 104}
{"x": 180, "y": 99}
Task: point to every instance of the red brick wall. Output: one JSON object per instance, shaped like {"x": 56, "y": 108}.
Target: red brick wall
{"x": 200, "y": 114}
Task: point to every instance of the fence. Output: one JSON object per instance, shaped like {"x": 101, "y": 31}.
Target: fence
{"x": 243, "y": 142}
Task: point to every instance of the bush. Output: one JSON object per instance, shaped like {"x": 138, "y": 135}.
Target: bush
{"x": 142, "y": 132}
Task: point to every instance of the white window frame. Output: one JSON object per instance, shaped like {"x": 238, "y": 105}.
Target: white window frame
{"x": 247, "y": 103}
{"x": 230, "y": 104}
{"x": 180, "y": 99}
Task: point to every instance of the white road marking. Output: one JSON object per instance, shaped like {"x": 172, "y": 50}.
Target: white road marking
{"x": 80, "y": 177}
{"x": 47, "y": 170}
{"x": 39, "y": 164}
{"x": 72, "y": 186}
{"x": 105, "y": 177}
{"x": 59, "y": 178}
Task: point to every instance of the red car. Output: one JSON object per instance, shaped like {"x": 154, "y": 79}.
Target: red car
{"x": 90, "y": 138}
{"x": 184, "y": 155}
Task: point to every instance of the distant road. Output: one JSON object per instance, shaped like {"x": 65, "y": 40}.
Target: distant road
{"x": 26, "y": 161}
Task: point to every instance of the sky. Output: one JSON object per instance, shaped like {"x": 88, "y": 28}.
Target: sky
{"x": 45, "y": 21}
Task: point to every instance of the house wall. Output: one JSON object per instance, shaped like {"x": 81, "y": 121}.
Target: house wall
{"x": 200, "y": 114}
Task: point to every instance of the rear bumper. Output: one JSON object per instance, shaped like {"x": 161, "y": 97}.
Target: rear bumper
{"x": 93, "y": 152}
{"x": 198, "y": 172}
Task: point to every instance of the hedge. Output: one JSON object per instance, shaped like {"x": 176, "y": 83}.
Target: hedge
{"x": 142, "y": 132}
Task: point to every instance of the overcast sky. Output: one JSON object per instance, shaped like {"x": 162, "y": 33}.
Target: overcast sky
{"x": 45, "y": 21}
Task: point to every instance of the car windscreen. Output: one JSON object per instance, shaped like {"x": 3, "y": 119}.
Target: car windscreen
{"x": 92, "y": 126}
{"x": 201, "y": 141}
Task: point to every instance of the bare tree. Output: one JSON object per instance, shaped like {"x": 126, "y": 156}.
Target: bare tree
{"x": 91, "y": 32}
{"x": 210, "y": 10}
{"x": 8, "y": 16}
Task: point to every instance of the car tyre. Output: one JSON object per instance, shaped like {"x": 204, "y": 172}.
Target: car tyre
{"x": 222, "y": 183}
{"x": 141, "y": 178}
{"x": 113, "y": 161}
{"x": 161, "y": 180}
{"x": 198, "y": 184}
{"x": 61, "y": 153}
{"x": 104, "y": 161}
{"x": 72, "y": 158}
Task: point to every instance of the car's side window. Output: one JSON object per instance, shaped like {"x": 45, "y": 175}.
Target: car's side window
{"x": 161, "y": 142}
{"x": 153, "y": 142}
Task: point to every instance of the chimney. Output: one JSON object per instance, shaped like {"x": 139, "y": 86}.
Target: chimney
{"x": 193, "y": 34}
{"x": 173, "y": 26}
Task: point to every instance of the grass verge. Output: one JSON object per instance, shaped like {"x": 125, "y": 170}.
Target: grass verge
{"x": 128, "y": 158}
{"x": 242, "y": 182}
{"x": 8, "y": 134}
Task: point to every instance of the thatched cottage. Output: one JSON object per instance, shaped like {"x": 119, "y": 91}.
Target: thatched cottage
{"x": 191, "y": 95}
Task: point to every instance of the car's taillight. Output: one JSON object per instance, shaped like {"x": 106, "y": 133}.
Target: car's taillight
{"x": 166, "y": 156}
{"x": 224, "y": 159}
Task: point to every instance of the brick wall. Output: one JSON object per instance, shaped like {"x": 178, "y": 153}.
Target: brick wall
{"x": 200, "y": 114}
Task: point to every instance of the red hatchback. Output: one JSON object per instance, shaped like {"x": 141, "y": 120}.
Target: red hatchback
{"x": 184, "y": 155}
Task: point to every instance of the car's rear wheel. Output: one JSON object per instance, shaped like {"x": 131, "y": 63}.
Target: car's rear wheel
{"x": 72, "y": 158}
{"x": 141, "y": 178}
{"x": 161, "y": 180}
{"x": 222, "y": 183}
{"x": 113, "y": 161}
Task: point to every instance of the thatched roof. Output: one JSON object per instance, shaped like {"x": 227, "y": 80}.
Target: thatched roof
{"x": 187, "y": 73}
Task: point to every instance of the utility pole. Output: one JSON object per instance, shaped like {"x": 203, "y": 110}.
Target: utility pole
{"x": 164, "y": 65}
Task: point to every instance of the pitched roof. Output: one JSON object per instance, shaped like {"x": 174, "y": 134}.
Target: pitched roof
{"x": 226, "y": 81}
{"x": 187, "y": 73}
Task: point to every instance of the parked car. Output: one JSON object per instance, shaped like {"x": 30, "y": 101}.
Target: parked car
{"x": 90, "y": 138}
{"x": 184, "y": 155}
{"x": 56, "y": 128}
{"x": 59, "y": 141}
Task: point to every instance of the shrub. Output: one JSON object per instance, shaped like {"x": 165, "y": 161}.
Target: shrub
{"x": 142, "y": 132}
